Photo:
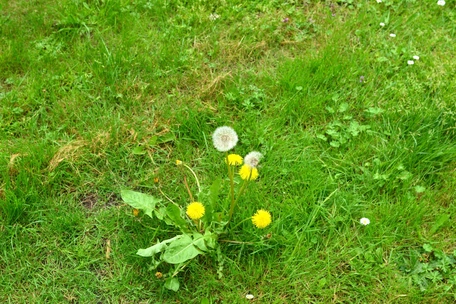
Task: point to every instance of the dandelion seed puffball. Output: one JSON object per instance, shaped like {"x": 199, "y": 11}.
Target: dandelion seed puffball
{"x": 410, "y": 62}
{"x": 382, "y": 24}
{"x": 249, "y": 296}
{"x": 364, "y": 221}
{"x": 224, "y": 138}
{"x": 416, "y": 57}
{"x": 441, "y": 2}
{"x": 392, "y": 35}
{"x": 253, "y": 158}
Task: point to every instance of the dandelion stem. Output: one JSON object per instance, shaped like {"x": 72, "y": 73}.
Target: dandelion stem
{"x": 231, "y": 176}
{"x": 240, "y": 223}
{"x": 244, "y": 185}
{"x": 196, "y": 177}
{"x": 159, "y": 189}
{"x": 188, "y": 189}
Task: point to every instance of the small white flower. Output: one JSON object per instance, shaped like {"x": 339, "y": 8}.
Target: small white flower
{"x": 379, "y": 1}
{"x": 249, "y": 296}
{"x": 364, "y": 221}
{"x": 410, "y": 62}
{"x": 441, "y": 2}
{"x": 253, "y": 158}
{"x": 214, "y": 16}
{"x": 224, "y": 138}
{"x": 382, "y": 24}
{"x": 416, "y": 57}
{"x": 392, "y": 35}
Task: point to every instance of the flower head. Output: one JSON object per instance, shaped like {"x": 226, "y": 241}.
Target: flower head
{"x": 261, "y": 219}
{"x": 441, "y": 2}
{"x": 416, "y": 57}
{"x": 178, "y": 162}
{"x": 253, "y": 158}
{"x": 234, "y": 159}
{"x": 364, "y": 221}
{"x": 382, "y": 24}
{"x": 224, "y": 138}
{"x": 195, "y": 210}
{"x": 249, "y": 296}
{"x": 248, "y": 173}
{"x": 392, "y": 35}
{"x": 410, "y": 62}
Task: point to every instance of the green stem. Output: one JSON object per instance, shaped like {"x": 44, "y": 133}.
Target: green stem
{"x": 188, "y": 189}
{"x": 196, "y": 177}
{"x": 231, "y": 176}
{"x": 240, "y": 223}
{"x": 241, "y": 191}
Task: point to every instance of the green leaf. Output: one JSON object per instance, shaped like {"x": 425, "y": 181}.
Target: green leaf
{"x": 181, "y": 250}
{"x": 159, "y": 247}
{"x": 139, "y": 150}
{"x": 374, "y": 111}
{"x": 420, "y": 189}
{"x": 199, "y": 241}
{"x": 322, "y": 137}
{"x": 160, "y": 213}
{"x": 166, "y": 138}
{"x": 172, "y": 284}
{"x": 335, "y": 144}
{"x": 174, "y": 213}
{"x": 213, "y": 200}
{"x": 404, "y": 175}
{"x": 354, "y": 128}
{"x": 427, "y": 247}
{"x": 343, "y": 107}
{"x": 153, "y": 141}
{"x": 210, "y": 238}
{"x": 205, "y": 301}
{"x": 441, "y": 220}
{"x": 214, "y": 191}
{"x": 140, "y": 201}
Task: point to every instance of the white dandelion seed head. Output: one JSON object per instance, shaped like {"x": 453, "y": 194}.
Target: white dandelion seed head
{"x": 249, "y": 296}
{"x": 416, "y": 57}
{"x": 392, "y": 35}
{"x": 379, "y": 1}
{"x": 441, "y": 2}
{"x": 224, "y": 138}
{"x": 382, "y": 24}
{"x": 253, "y": 158}
{"x": 364, "y": 221}
{"x": 410, "y": 62}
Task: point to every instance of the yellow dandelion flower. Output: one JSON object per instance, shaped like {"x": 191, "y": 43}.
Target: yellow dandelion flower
{"x": 178, "y": 162}
{"x": 195, "y": 210}
{"x": 248, "y": 173}
{"x": 135, "y": 212}
{"x": 261, "y": 219}
{"x": 234, "y": 159}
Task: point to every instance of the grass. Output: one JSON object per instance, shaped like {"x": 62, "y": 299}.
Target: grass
{"x": 98, "y": 96}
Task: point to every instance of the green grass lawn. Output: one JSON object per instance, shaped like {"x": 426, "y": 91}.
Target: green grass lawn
{"x": 97, "y": 96}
